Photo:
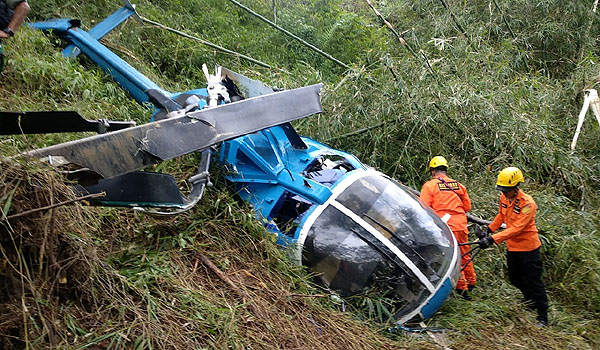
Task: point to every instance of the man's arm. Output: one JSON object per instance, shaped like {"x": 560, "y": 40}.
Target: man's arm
{"x": 426, "y": 194}
{"x": 466, "y": 200}
{"x": 517, "y": 226}
{"x": 20, "y": 12}
{"x": 498, "y": 220}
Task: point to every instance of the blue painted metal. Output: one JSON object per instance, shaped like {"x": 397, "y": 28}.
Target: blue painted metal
{"x": 436, "y": 301}
{"x": 264, "y": 165}
{"x": 134, "y": 82}
{"x": 129, "y": 78}
{"x": 102, "y": 28}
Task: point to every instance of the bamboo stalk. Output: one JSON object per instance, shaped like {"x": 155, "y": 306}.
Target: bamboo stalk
{"x": 399, "y": 37}
{"x": 302, "y": 41}
{"x": 505, "y": 20}
{"x": 455, "y": 20}
{"x": 586, "y": 33}
{"x": 209, "y": 44}
{"x": 387, "y": 24}
{"x": 512, "y": 34}
{"x": 356, "y": 132}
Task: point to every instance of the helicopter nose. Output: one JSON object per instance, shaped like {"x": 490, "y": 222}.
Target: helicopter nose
{"x": 376, "y": 234}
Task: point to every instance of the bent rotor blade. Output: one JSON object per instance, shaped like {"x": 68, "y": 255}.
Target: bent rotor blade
{"x": 248, "y": 87}
{"x": 132, "y": 149}
{"x": 15, "y": 123}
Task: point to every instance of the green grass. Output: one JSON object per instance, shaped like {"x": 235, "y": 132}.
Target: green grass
{"x": 494, "y": 100}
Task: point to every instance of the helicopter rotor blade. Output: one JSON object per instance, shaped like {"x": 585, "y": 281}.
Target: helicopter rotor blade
{"x": 16, "y": 123}
{"x": 132, "y": 149}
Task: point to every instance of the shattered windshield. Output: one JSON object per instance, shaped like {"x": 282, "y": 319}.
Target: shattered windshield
{"x": 349, "y": 260}
{"x": 417, "y": 231}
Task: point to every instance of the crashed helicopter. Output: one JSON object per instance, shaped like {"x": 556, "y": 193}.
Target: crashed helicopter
{"x": 353, "y": 226}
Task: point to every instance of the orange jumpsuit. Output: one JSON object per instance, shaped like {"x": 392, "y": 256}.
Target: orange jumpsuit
{"x": 520, "y": 235}
{"x": 447, "y": 196}
{"x": 523, "y": 257}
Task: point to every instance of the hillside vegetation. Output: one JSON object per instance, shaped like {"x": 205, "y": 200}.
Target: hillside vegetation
{"x": 487, "y": 84}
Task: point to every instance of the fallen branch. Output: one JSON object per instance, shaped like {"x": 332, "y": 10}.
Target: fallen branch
{"x": 28, "y": 212}
{"x": 208, "y": 263}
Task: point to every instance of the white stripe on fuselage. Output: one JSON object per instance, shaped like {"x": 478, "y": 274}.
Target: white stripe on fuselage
{"x": 391, "y": 246}
{"x": 310, "y": 220}
{"x": 336, "y": 191}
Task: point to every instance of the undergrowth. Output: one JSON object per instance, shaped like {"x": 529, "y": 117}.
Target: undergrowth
{"x": 494, "y": 84}
{"x": 107, "y": 279}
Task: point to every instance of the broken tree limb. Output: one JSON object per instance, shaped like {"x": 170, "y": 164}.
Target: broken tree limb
{"x": 28, "y": 212}
{"x": 240, "y": 293}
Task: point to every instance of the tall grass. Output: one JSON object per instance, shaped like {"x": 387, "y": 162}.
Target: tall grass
{"x": 495, "y": 99}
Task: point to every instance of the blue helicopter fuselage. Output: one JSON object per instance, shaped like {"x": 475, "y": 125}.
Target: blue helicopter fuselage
{"x": 354, "y": 227}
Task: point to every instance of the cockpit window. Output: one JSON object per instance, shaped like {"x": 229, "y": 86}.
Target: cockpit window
{"x": 400, "y": 217}
{"x": 288, "y": 212}
{"x": 261, "y": 145}
{"x": 349, "y": 259}
{"x": 328, "y": 169}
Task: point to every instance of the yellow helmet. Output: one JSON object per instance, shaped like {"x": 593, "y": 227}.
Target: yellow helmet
{"x": 508, "y": 178}
{"x": 437, "y": 161}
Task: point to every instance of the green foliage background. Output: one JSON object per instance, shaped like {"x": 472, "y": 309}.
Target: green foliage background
{"x": 487, "y": 84}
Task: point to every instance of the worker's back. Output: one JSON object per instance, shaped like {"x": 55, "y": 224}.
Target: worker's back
{"x": 447, "y": 196}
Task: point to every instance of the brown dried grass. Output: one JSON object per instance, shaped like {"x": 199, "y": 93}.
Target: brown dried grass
{"x": 65, "y": 286}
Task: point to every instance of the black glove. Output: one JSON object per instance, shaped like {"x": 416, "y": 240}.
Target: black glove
{"x": 480, "y": 233}
{"x": 486, "y": 242}
{"x": 488, "y": 230}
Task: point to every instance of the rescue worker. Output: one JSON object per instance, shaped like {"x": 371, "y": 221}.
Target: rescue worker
{"x": 450, "y": 201}
{"x": 517, "y": 210}
{"x": 12, "y": 15}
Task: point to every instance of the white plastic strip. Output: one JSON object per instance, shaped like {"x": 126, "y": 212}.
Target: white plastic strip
{"x": 591, "y": 98}
{"x": 336, "y": 191}
{"x": 449, "y": 273}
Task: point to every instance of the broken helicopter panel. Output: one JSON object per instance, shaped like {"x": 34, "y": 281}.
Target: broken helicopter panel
{"x": 355, "y": 227}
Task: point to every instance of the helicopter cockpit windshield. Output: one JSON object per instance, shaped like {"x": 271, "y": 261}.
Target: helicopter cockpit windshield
{"x": 373, "y": 233}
